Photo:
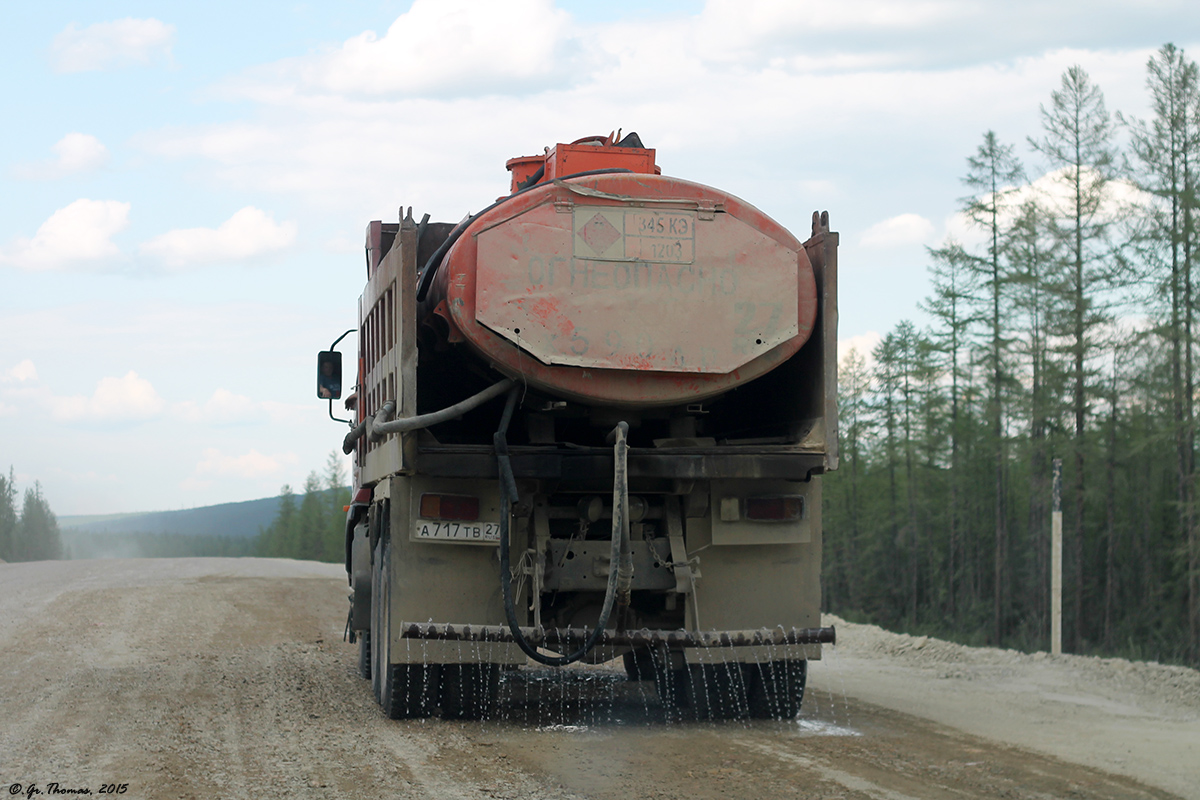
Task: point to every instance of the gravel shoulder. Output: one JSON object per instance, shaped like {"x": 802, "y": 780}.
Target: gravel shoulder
{"x": 1138, "y": 719}
{"x": 228, "y": 677}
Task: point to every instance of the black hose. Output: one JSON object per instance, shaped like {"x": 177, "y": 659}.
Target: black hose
{"x": 631, "y": 140}
{"x": 533, "y": 179}
{"x": 435, "y": 260}
{"x": 508, "y": 493}
{"x": 380, "y": 424}
{"x": 421, "y": 226}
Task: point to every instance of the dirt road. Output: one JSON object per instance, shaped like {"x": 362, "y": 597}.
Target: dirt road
{"x": 202, "y": 678}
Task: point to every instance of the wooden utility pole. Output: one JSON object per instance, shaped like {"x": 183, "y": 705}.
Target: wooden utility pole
{"x": 1056, "y": 563}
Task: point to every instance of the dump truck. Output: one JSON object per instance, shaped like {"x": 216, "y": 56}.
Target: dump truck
{"x": 590, "y": 422}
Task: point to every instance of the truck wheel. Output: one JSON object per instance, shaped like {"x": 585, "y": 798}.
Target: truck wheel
{"x": 671, "y": 687}
{"x": 377, "y": 655}
{"x": 364, "y": 654}
{"x": 639, "y": 665}
{"x": 469, "y": 691}
{"x": 717, "y": 691}
{"x": 410, "y": 690}
{"x": 777, "y": 689}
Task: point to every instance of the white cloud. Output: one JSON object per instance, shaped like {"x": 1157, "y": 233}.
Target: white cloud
{"x": 105, "y": 45}
{"x": 75, "y": 237}
{"x": 292, "y": 413}
{"x": 1053, "y": 191}
{"x": 247, "y": 234}
{"x": 818, "y": 187}
{"x": 829, "y": 38}
{"x": 223, "y": 408}
{"x": 342, "y": 245}
{"x": 864, "y": 343}
{"x": 76, "y": 153}
{"x": 898, "y": 230}
{"x": 456, "y": 46}
{"x": 24, "y": 371}
{"x": 127, "y": 399}
{"x": 750, "y": 29}
{"x": 249, "y": 466}
{"x": 337, "y": 152}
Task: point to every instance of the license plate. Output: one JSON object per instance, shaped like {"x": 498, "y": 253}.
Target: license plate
{"x": 456, "y": 531}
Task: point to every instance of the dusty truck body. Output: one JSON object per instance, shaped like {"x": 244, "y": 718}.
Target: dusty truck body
{"x": 591, "y": 423}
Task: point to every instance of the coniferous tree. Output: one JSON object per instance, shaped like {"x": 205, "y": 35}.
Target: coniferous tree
{"x": 949, "y": 305}
{"x": 37, "y": 532}
{"x": 842, "y": 570}
{"x": 1165, "y": 150}
{"x": 1030, "y": 247}
{"x": 334, "y": 547}
{"x": 8, "y": 517}
{"x": 889, "y": 380}
{"x": 931, "y": 443}
{"x": 275, "y": 539}
{"x": 993, "y": 173}
{"x": 901, "y": 363}
{"x": 314, "y": 527}
{"x": 311, "y": 522}
{"x": 1110, "y": 494}
{"x": 1077, "y": 139}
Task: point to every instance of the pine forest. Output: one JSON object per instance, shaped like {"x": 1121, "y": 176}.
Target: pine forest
{"x": 1062, "y": 328}
{"x": 30, "y": 533}
{"x": 314, "y": 528}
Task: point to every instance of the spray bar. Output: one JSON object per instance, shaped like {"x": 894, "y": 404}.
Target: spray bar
{"x": 638, "y": 638}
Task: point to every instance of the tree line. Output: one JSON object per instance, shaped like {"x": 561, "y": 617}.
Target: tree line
{"x": 311, "y": 528}
{"x": 1067, "y": 332}
{"x": 32, "y": 534}
{"x": 315, "y": 527}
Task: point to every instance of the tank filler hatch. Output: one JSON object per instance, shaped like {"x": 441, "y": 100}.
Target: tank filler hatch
{"x": 634, "y": 286}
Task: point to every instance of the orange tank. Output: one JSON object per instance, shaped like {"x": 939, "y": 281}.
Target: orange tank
{"x": 621, "y": 286}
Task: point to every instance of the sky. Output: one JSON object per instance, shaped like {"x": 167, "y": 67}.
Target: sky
{"x": 184, "y": 187}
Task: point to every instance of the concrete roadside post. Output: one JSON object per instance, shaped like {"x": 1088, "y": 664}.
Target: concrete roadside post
{"x": 1056, "y": 563}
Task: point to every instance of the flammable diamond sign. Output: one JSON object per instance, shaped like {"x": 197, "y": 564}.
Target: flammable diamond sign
{"x": 599, "y": 234}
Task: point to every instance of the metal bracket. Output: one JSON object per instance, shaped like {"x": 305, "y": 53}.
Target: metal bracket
{"x": 541, "y": 537}
{"x": 684, "y": 579}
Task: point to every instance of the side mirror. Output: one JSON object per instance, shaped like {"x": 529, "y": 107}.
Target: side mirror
{"x": 329, "y": 375}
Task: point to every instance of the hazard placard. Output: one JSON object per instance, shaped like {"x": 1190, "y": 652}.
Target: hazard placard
{"x": 623, "y": 234}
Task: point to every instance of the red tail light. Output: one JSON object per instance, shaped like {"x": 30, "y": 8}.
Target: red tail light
{"x": 449, "y": 506}
{"x": 787, "y": 508}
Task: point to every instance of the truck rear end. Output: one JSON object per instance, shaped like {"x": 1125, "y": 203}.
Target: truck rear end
{"x": 591, "y": 424}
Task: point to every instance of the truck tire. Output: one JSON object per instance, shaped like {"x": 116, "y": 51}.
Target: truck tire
{"x": 717, "y": 691}
{"x": 777, "y": 689}
{"x": 377, "y": 655}
{"x": 670, "y": 685}
{"x": 364, "y": 654}
{"x": 404, "y": 691}
{"x": 469, "y": 691}
{"x": 639, "y": 664}
{"x": 410, "y": 690}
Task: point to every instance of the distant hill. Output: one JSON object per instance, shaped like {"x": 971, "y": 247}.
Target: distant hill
{"x": 228, "y": 529}
{"x": 235, "y": 520}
